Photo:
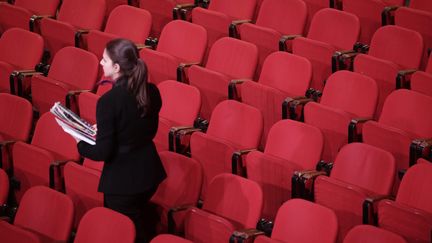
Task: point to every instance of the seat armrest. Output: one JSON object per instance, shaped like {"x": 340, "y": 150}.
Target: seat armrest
{"x": 179, "y": 138}
{"x": 302, "y": 183}
{"x": 368, "y": 207}
{"x": 403, "y": 79}
{"x": 181, "y": 11}
{"x": 292, "y": 108}
{"x": 233, "y": 31}
{"x": 151, "y": 42}
{"x": 325, "y": 166}
{"x": 420, "y": 148}
{"x": 237, "y": 166}
{"x": 244, "y": 234}
{"x": 170, "y": 216}
{"x": 387, "y": 15}
{"x": 78, "y": 37}
{"x": 355, "y": 129}
{"x": 172, "y": 135}
{"x": 16, "y": 80}
{"x": 282, "y": 41}
{"x": 55, "y": 168}
{"x": 142, "y": 46}
{"x": 72, "y": 94}
{"x": 233, "y": 92}
{"x": 181, "y": 74}
{"x": 340, "y": 63}
{"x": 35, "y": 18}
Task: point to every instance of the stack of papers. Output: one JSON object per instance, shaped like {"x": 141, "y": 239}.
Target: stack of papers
{"x": 72, "y": 124}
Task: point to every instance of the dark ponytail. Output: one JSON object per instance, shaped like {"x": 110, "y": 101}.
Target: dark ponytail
{"x": 125, "y": 54}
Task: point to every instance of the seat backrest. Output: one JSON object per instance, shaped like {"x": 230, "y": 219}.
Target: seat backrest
{"x": 75, "y": 67}
{"x": 232, "y": 57}
{"x": 21, "y": 48}
{"x": 4, "y": 186}
{"x": 17, "y": 118}
{"x": 299, "y": 220}
{"x": 84, "y": 14}
{"x": 415, "y": 187}
{"x": 183, "y": 183}
{"x": 409, "y": 111}
{"x": 105, "y": 225}
{"x": 11, "y": 233}
{"x": 235, "y": 198}
{"x": 50, "y": 136}
{"x": 284, "y": 16}
{"x": 424, "y": 5}
{"x": 41, "y": 7}
{"x": 129, "y": 22}
{"x": 366, "y": 166}
{"x": 46, "y": 212}
{"x": 237, "y": 123}
{"x": 399, "y": 45}
{"x": 286, "y": 72}
{"x": 346, "y": 91}
{"x": 176, "y": 40}
{"x": 372, "y": 234}
{"x": 239, "y": 9}
{"x": 180, "y": 102}
{"x": 296, "y": 142}
{"x": 94, "y": 165}
{"x": 335, "y": 27}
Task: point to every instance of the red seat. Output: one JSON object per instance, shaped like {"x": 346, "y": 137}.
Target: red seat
{"x": 39, "y": 163}
{"x": 228, "y": 59}
{"x": 371, "y": 234}
{"x": 291, "y": 146}
{"x": 343, "y": 99}
{"x": 19, "y": 14}
{"x": 161, "y": 11}
{"x": 165, "y": 238}
{"x": 18, "y": 55}
{"x": 100, "y": 225}
{"x": 14, "y": 234}
{"x": 180, "y": 106}
{"x": 331, "y": 30}
{"x": 283, "y": 75}
{"x": 422, "y": 81}
{"x": 360, "y": 171}
{"x": 74, "y": 15}
{"x": 392, "y": 49}
{"x": 275, "y": 19}
{"x": 46, "y": 213}
{"x": 217, "y": 18}
{"x": 81, "y": 185}
{"x": 314, "y": 6}
{"x": 72, "y": 70}
{"x": 233, "y": 126}
{"x": 175, "y": 47}
{"x": 231, "y": 203}
{"x": 298, "y": 220}
{"x": 181, "y": 187}
{"x": 410, "y": 215}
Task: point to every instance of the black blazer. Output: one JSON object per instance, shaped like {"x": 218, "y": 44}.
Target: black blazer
{"x": 125, "y": 142}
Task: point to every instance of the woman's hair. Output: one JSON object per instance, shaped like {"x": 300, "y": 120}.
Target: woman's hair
{"x": 125, "y": 54}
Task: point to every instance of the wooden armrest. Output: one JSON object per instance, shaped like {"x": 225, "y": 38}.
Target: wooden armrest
{"x": 302, "y": 183}
{"x": 244, "y": 234}
{"x": 284, "y": 39}
{"x": 180, "y": 10}
{"x": 142, "y": 46}
{"x": 355, "y": 129}
{"x": 325, "y": 166}
{"x": 55, "y": 167}
{"x": 233, "y": 31}
{"x": 237, "y": 161}
{"x": 369, "y": 215}
{"x": 151, "y": 42}
{"x": 419, "y": 148}
{"x": 72, "y": 94}
{"x": 387, "y": 15}
{"x": 78, "y": 36}
{"x": 181, "y": 74}
{"x": 233, "y": 92}
{"x": 172, "y": 134}
{"x": 403, "y": 79}
{"x": 35, "y": 18}
{"x": 16, "y": 79}
{"x": 170, "y": 216}
{"x": 179, "y": 139}
{"x": 292, "y": 108}
{"x": 339, "y": 63}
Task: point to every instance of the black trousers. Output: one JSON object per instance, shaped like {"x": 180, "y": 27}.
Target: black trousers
{"x": 138, "y": 209}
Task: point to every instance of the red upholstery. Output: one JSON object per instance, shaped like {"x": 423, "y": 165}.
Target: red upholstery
{"x": 298, "y": 220}
{"x": 369, "y": 14}
{"x": 14, "y": 234}
{"x": 166, "y": 238}
{"x": 422, "y": 81}
{"x": 228, "y": 59}
{"x": 421, "y": 5}
{"x": 292, "y": 146}
{"x": 81, "y": 185}
{"x": 180, "y": 106}
{"x": 410, "y": 215}
{"x": 4, "y": 187}
{"x": 175, "y": 46}
{"x": 73, "y": 15}
{"x": 283, "y": 75}
{"x": 360, "y": 171}
{"x": 18, "y": 14}
{"x": 392, "y": 48}
{"x": 105, "y": 225}
{"x": 18, "y": 55}
{"x": 330, "y": 30}
{"x": 232, "y": 203}
{"x": 219, "y": 15}
{"x": 87, "y": 102}
{"x": 71, "y": 69}
{"x": 49, "y": 144}
{"x": 275, "y": 19}
{"x": 124, "y": 22}
{"x": 313, "y": 6}
{"x": 47, "y": 213}
{"x": 371, "y": 234}
{"x": 161, "y": 11}
{"x": 404, "y": 117}
{"x": 233, "y": 126}
{"x": 181, "y": 187}
{"x": 343, "y": 99}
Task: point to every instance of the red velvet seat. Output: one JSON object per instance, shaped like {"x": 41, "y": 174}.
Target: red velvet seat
{"x": 422, "y": 81}
{"x": 371, "y": 234}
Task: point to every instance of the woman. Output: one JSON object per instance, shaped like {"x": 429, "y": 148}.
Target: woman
{"x": 127, "y": 120}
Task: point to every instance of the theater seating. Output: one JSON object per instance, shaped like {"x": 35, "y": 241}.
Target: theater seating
{"x": 371, "y": 234}
{"x": 422, "y": 81}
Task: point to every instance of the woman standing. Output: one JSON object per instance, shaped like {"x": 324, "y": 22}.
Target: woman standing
{"x": 127, "y": 120}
